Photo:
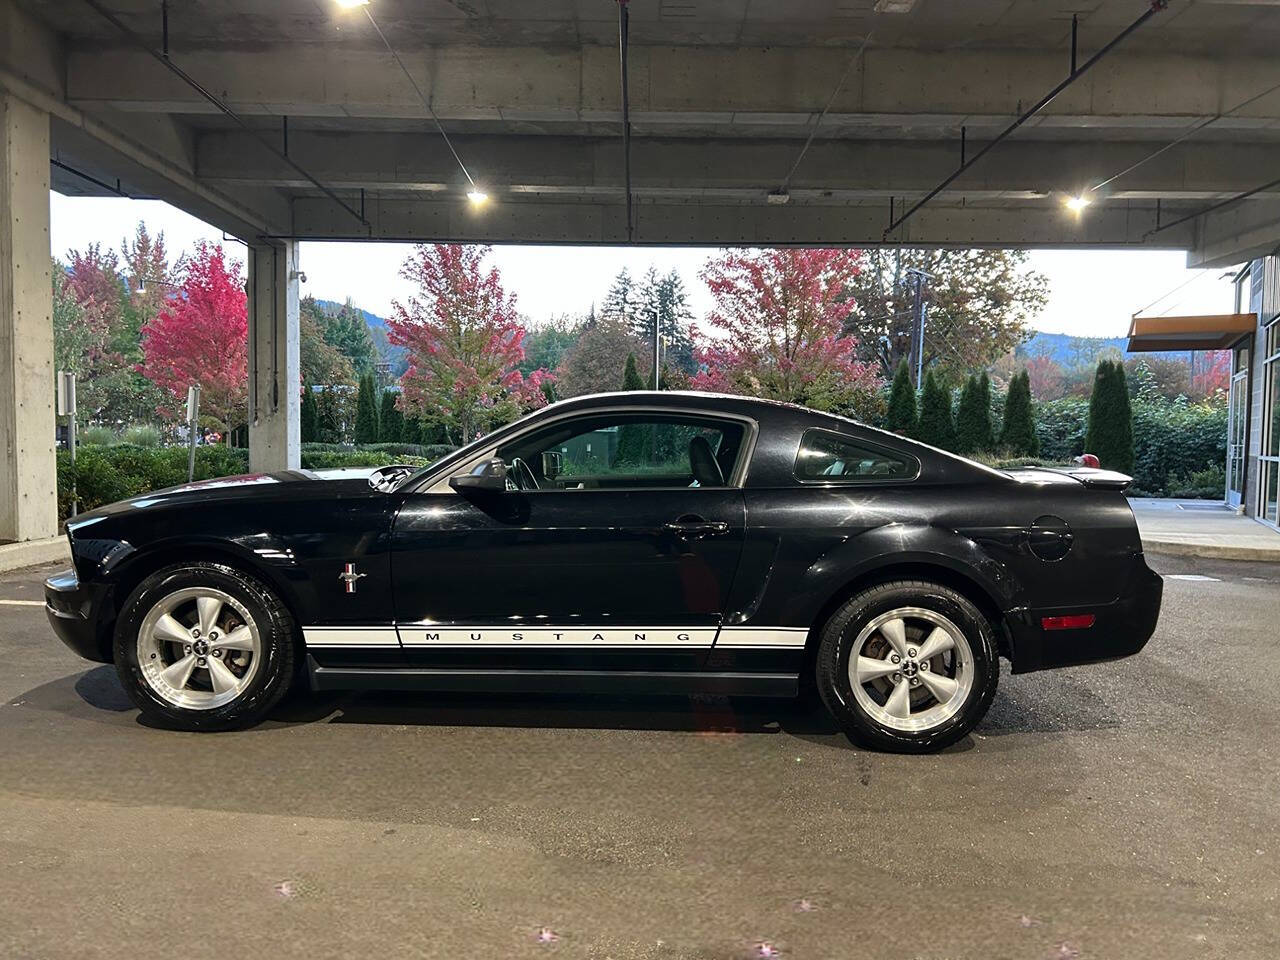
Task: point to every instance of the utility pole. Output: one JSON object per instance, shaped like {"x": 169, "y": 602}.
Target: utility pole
{"x": 919, "y": 309}
{"x": 657, "y": 354}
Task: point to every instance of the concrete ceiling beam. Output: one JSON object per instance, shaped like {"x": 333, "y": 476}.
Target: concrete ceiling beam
{"x": 711, "y": 86}
{"x": 745, "y": 168}
{"x": 594, "y": 222}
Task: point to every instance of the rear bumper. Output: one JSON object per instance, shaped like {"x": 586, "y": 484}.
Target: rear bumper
{"x": 1120, "y": 628}
{"x": 72, "y": 608}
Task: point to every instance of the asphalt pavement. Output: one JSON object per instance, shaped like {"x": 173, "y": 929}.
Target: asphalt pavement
{"x": 1124, "y": 810}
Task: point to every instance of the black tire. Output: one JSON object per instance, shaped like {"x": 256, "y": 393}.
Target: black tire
{"x": 835, "y": 647}
{"x": 271, "y": 679}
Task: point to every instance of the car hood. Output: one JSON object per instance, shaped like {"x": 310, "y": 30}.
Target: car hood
{"x": 345, "y": 481}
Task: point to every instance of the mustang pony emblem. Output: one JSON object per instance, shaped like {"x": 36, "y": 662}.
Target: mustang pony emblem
{"x": 349, "y": 577}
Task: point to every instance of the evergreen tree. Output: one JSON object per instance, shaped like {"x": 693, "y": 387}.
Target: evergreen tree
{"x": 1018, "y": 434}
{"x": 634, "y": 438}
{"x": 390, "y": 420}
{"x": 901, "y": 417}
{"x": 620, "y": 302}
{"x": 346, "y": 329}
{"x": 366, "y": 411}
{"x": 329, "y": 418}
{"x": 631, "y": 379}
{"x": 663, "y": 301}
{"x": 309, "y": 415}
{"x": 973, "y": 417}
{"x": 1110, "y": 433}
{"x": 936, "y": 426}
{"x": 988, "y": 429}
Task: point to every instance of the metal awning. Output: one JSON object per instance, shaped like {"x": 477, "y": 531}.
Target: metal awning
{"x": 1218, "y": 331}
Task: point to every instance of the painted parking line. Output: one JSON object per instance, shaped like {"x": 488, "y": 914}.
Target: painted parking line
{"x": 22, "y": 603}
{"x": 1192, "y": 576}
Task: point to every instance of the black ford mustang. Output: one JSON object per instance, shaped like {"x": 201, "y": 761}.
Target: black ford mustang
{"x": 646, "y": 542}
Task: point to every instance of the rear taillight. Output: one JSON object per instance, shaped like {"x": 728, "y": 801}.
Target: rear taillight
{"x": 1077, "y": 621}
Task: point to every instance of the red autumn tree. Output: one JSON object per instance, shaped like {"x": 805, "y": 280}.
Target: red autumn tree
{"x": 1048, "y": 379}
{"x": 200, "y": 337}
{"x": 777, "y": 325}
{"x": 464, "y": 340}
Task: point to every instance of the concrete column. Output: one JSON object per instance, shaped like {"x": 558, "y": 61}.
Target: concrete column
{"x": 274, "y": 378}
{"x": 28, "y": 466}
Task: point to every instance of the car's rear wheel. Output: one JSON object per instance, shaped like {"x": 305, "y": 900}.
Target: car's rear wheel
{"x": 909, "y": 666}
{"x": 204, "y": 646}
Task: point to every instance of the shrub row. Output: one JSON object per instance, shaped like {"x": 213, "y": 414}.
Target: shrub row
{"x": 1180, "y": 447}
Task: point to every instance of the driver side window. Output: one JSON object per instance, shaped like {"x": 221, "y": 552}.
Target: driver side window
{"x": 631, "y": 451}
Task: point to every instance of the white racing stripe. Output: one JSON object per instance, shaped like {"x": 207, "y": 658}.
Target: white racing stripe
{"x": 755, "y": 638}
{"x": 425, "y": 635}
{"x": 350, "y": 636}
{"x": 672, "y": 638}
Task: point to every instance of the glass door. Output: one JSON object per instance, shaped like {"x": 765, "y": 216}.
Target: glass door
{"x": 1237, "y": 422}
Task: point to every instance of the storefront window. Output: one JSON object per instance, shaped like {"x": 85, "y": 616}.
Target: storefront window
{"x": 1269, "y": 462}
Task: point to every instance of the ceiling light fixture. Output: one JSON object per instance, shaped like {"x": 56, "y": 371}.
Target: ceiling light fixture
{"x": 352, "y": 4}
{"x": 475, "y": 194}
{"x": 1077, "y": 203}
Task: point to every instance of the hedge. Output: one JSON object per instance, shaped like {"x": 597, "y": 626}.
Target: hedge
{"x": 106, "y": 474}
{"x": 1178, "y": 446}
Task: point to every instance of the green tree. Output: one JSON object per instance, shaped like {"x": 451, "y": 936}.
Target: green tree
{"x": 390, "y": 420}
{"x": 309, "y": 415}
{"x": 620, "y": 303}
{"x": 545, "y": 346}
{"x": 367, "y": 410}
{"x": 329, "y": 417}
{"x": 663, "y": 301}
{"x": 973, "y": 416}
{"x": 1018, "y": 433}
{"x": 591, "y": 365}
{"x": 979, "y": 303}
{"x": 346, "y": 329}
{"x": 936, "y": 426}
{"x": 1110, "y": 432}
{"x": 320, "y": 361}
{"x": 633, "y": 439}
{"x": 631, "y": 379}
{"x": 901, "y": 417}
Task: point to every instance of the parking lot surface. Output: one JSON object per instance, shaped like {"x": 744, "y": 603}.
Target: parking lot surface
{"x": 1123, "y": 810}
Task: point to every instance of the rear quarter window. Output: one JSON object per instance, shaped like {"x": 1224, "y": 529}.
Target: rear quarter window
{"x": 827, "y": 457}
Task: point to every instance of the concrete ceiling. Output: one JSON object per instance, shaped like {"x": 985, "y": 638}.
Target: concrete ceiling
{"x": 723, "y": 95}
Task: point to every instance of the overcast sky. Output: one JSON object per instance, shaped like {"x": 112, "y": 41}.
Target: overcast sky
{"x": 1092, "y": 293}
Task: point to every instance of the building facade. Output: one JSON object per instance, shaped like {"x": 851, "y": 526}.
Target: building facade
{"x": 1253, "y": 431}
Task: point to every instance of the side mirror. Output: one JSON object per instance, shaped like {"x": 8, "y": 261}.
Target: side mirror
{"x": 552, "y": 464}
{"x": 490, "y": 475}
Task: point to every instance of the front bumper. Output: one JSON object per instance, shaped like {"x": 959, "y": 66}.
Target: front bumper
{"x": 1120, "y": 629}
{"x": 72, "y": 608}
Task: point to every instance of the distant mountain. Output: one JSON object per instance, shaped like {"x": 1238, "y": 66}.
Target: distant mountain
{"x": 387, "y": 351}
{"x": 1068, "y": 351}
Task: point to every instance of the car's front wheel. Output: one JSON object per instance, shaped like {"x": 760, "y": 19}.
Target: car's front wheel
{"x": 909, "y": 666}
{"x": 204, "y": 646}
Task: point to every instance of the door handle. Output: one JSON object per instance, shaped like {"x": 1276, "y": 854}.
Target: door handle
{"x": 692, "y": 529}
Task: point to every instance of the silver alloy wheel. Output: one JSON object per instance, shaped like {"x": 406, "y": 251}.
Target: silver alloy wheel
{"x": 910, "y": 669}
{"x": 198, "y": 648}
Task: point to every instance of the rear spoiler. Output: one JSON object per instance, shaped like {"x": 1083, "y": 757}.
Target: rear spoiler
{"x": 1091, "y": 477}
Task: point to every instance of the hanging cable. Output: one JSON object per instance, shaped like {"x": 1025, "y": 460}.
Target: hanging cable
{"x": 786, "y": 181}
{"x": 1229, "y": 201}
{"x": 165, "y": 60}
{"x": 421, "y": 96}
{"x": 1154, "y": 7}
{"x": 1195, "y": 128}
